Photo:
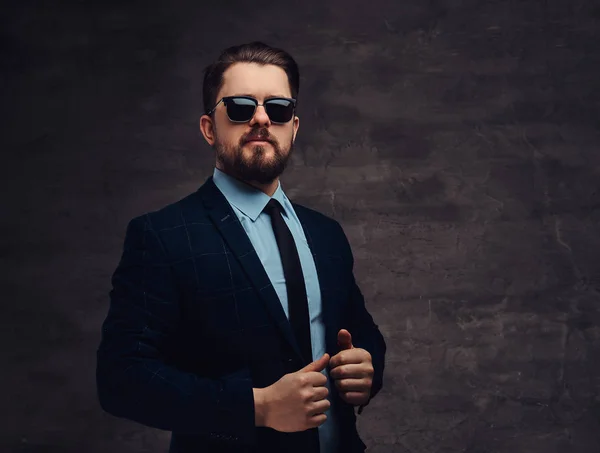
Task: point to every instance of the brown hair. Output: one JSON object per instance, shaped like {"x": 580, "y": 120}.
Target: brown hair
{"x": 254, "y": 52}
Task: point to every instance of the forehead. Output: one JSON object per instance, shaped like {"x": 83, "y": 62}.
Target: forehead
{"x": 257, "y": 80}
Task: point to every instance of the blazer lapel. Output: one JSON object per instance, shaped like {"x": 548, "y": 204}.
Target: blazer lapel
{"x": 228, "y": 225}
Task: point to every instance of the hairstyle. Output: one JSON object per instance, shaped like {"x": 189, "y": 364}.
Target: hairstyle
{"x": 254, "y": 52}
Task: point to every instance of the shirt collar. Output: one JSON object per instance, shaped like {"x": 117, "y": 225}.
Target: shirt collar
{"x": 249, "y": 200}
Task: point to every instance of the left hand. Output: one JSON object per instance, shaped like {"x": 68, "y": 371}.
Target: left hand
{"x": 352, "y": 371}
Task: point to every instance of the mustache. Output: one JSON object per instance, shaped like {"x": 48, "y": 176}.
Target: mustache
{"x": 258, "y": 134}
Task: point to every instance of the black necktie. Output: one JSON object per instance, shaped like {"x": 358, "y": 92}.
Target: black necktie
{"x": 294, "y": 279}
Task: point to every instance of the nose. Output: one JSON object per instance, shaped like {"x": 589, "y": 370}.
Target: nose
{"x": 260, "y": 117}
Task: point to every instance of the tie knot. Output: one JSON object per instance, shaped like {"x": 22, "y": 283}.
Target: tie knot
{"x": 273, "y": 206}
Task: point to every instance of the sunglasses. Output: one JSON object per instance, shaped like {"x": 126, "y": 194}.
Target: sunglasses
{"x": 241, "y": 109}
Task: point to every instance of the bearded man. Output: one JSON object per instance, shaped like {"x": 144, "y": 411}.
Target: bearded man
{"x": 235, "y": 320}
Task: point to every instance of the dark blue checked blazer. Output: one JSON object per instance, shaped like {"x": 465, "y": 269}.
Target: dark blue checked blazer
{"x": 194, "y": 324}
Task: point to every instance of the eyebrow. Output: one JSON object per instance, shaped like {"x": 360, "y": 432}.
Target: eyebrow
{"x": 266, "y": 97}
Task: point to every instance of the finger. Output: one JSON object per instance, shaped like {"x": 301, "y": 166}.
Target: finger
{"x": 354, "y": 398}
{"x": 320, "y": 407}
{"x": 352, "y": 385}
{"x": 355, "y": 355}
{"x": 344, "y": 339}
{"x": 318, "y": 365}
{"x": 320, "y": 393}
{"x": 351, "y": 371}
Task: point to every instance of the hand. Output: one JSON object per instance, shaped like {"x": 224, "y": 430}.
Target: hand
{"x": 297, "y": 401}
{"x": 352, "y": 371}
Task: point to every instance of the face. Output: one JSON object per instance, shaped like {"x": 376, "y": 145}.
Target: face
{"x": 258, "y": 150}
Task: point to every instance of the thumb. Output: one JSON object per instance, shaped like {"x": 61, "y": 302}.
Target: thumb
{"x": 318, "y": 365}
{"x": 344, "y": 339}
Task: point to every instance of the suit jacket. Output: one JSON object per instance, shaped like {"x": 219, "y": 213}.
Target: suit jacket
{"x": 194, "y": 324}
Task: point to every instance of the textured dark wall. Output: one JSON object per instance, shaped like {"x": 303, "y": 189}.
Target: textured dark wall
{"x": 457, "y": 141}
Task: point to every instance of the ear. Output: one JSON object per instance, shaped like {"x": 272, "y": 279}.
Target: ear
{"x": 207, "y": 128}
{"x": 296, "y": 126}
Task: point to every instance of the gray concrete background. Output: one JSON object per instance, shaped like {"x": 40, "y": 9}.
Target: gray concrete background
{"x": 457, "y": 141}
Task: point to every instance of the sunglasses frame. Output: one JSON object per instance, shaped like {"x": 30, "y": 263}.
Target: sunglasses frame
{"x": 227, "y": 98}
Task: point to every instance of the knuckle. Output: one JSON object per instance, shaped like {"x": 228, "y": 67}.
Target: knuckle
{"x": 303, "y": 379}
{"x": 305, "y": 394}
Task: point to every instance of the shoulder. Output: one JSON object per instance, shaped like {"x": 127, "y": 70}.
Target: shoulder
{"x": 188, "y": 209}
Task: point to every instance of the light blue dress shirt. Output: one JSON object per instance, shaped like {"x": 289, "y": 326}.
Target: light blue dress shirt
{"x": 248, "y": 204}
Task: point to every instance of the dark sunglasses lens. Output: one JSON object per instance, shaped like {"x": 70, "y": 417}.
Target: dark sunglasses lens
{"x": 279, "y": 110}
{"x": 240, "y": 109}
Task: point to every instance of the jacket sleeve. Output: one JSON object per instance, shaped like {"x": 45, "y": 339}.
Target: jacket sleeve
{"x": 365, "y": 333}
{"x": 133, "y": 377}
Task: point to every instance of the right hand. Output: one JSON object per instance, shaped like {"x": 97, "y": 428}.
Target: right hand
{"x": 297, "y": 401}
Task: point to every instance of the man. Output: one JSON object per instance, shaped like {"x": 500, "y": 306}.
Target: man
{"x": 235, "y": 320}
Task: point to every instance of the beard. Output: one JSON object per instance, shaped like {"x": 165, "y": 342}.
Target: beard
{"x": 235, "y": 162}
